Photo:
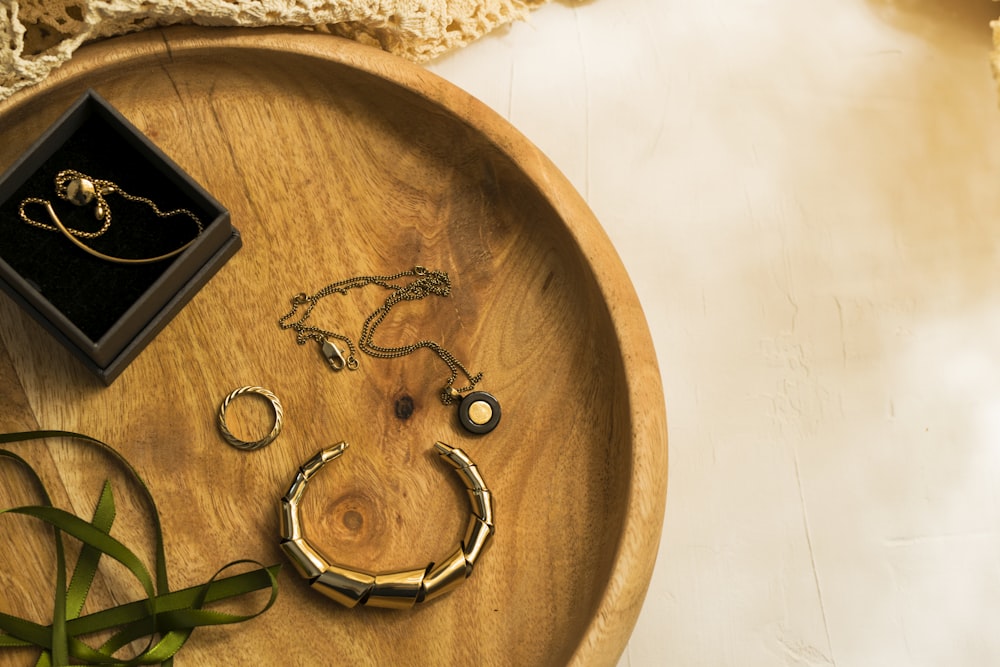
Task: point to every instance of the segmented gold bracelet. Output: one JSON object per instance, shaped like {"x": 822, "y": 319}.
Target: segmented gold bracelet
{"x": 390, "y": 590}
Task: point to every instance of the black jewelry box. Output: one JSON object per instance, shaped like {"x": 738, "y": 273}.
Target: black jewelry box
{"x": 104, "y": 312}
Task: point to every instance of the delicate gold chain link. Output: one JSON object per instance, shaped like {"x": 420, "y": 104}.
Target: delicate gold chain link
{"x": 425, "y": 283}
{"x": 97, "y": 189}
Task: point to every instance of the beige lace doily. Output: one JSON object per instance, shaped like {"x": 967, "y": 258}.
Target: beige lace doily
{"x": 36, "y": 36}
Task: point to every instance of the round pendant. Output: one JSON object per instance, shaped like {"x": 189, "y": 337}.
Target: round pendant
{"x": 80, "y": 191}
{"x": 479, "y": 412}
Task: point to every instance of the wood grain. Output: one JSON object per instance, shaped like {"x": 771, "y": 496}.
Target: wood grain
{"x": 337, "y": 160}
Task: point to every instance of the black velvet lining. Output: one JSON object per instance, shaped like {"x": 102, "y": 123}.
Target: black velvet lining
{"x": 91, "y": 292}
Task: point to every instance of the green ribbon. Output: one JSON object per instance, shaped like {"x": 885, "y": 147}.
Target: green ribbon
{"x": 166, "y": 619}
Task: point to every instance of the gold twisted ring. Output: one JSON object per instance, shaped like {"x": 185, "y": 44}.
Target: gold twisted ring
{"x": 390, "y": 590}
{"x": 279, "y": 414}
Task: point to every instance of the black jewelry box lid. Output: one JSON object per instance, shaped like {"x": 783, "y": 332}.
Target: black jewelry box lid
{"x": 104, "y": 313}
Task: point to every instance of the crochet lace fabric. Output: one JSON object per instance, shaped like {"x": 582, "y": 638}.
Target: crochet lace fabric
{"x": 36, "y": 36}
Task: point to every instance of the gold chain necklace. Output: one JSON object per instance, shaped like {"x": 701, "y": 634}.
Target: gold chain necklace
{"x": 479, "y": 412}
{"x": 80, "y": 189}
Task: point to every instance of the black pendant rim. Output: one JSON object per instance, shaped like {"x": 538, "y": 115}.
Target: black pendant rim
{"x": 466, "y": 421}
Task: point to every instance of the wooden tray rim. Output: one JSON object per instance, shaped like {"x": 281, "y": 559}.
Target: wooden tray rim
{"x": 611, "y": 625}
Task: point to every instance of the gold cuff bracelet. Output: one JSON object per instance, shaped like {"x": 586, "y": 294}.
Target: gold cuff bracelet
{"x": 390, "y": 590}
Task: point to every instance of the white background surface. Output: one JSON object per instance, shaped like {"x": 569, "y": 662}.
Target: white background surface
{"x": 806, "y": 197}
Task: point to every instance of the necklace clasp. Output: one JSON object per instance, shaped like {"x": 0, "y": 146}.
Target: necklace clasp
{"x": 333, "y": 355}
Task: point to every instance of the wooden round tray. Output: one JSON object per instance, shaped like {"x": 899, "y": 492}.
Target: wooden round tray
{"x": 338, "y": 160}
